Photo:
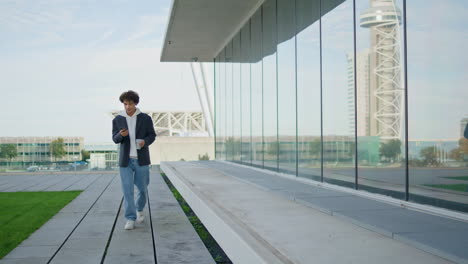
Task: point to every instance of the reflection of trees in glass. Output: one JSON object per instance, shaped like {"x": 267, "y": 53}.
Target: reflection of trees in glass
{"x": 460, "y": 153}
{"x": 229, "y": 145}
{"x": 8, "y": 151}
{"x": 315, "y": 147}
{"x": 273, "y": 148}
{"x": 204, "y": 157}
{"x": 430, "y": 156}
{"x": 390, "y": 150}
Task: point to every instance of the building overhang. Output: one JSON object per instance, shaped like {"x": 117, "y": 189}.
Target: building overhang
{"x": 198, "y": 30}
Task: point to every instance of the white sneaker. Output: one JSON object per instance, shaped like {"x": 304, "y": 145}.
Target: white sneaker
{"x": 129, "y": 225}
{"x": 140, "y": 217}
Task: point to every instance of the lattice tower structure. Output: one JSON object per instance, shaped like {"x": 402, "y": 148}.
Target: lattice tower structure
{"x": 383, "y": 19}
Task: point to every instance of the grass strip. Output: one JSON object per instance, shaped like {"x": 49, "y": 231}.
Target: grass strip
{"x": 22, "y": 213}
{"x": 210, "y": 243}
{"x": 461, "y": 178}
{"x": 453, "y": 187}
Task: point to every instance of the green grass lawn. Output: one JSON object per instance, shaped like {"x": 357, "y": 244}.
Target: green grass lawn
{"x": 22, "y": 213}
{"x": 453, "y": 187}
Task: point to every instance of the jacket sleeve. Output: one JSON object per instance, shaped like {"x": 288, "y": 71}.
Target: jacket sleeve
{"x": 466, "y": 131}
{"x": 116, "y": 137}
{"x": 150, "y": 133}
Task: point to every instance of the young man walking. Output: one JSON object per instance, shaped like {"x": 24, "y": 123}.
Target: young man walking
{"x": 134, "y": 131}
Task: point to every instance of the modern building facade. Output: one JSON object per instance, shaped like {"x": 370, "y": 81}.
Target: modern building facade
{"x": 366, "y": 94}
{"x": 37, "y": 149}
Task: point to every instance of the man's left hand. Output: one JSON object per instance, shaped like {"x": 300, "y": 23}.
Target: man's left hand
{"x": 142, "y": 143}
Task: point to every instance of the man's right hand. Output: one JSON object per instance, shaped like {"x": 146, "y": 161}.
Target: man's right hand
{"x": 123, "y": 132}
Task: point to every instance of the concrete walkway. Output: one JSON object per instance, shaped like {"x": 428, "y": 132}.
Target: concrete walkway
{"x": 258, "y": 217}
{"x": 90, "y": 228}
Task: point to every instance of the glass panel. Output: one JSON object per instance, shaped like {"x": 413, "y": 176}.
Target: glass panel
{"x": 257, "y": 88}
{"x": 338, "y": 115}
{"x": 246, "y": 149}
{"x": 230, "y": 143}
{"x": 269, "y": 86}
{"x": 222, "y": 104}
{"x": 287, "y": 86}
{"x": 437, "y": 93}
{"x": 216, "y": 105}
{"x": 308, "y": 88}
{"x": 236, "y": 97}
{"x": 380, "y": 96}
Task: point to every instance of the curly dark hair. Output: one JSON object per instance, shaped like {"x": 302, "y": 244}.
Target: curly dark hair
{"x": 130, "y": 96}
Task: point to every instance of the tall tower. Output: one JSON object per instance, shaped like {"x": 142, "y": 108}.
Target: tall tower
{"x": 383, "y": 19}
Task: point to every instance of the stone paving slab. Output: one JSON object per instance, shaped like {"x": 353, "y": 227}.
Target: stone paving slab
{"x": 15, "y": 182}
{"x": 83, "y": 183}
{"x": 55, "y": 179}
{"x": 68, "y": 181}
{"x": 131, "y": 246}
{"x": 175, "y": 238}
{"x": 419, "y": 229}
{"x": 83, "y": 229}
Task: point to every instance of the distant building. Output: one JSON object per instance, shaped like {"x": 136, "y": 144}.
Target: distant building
{"x": 37, "y": 149}
{"x": 102, "y": 155}
{"x": 362, "y": 92}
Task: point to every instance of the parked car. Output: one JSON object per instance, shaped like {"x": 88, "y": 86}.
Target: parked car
{"x": 32, "y": 168}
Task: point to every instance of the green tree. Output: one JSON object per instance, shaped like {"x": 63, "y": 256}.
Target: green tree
{"x": 85, "y": 155}
{"x": 430, "y": 156}
{"x": 8, "y": 151}
{"x": 57, "y": 148}
{"x": 390, "y": 150}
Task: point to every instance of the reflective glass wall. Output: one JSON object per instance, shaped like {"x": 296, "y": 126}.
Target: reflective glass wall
{"x": 380, "y": 96}
{"x": 437, "y": 102}
{"x": 309, "y": 133}
{"x": 337, "y": 93}
{"x": 270, "y": 88}
{"x": 348, "y": 92}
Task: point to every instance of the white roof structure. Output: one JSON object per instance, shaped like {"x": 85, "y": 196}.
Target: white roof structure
{"x": 180, "y": 123}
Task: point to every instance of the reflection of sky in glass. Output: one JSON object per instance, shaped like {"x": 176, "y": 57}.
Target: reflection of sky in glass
{"x": 337, "y": 41}
{"x": 437, "y": 68}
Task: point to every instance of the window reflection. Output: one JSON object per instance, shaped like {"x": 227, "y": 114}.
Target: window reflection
{"x": 338, "y": 118}
{"x": 271, "y": 144}
{"x": 308, "y": 89}
{"x": 437, "y": 77}
{"x": 380, "y": 96}
{"x": 286, "y": 86}
{"x": 246, "y": 148}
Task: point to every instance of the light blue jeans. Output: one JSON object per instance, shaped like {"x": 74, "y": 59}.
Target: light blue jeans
{"x": 132, "y": 175}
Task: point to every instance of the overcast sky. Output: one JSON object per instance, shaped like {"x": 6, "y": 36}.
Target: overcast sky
{"x": 64, "y": 63}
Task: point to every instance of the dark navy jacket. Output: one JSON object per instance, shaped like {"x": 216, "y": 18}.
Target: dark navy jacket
{"x": 466, "y": 131}
{"x": 144, "y": 130}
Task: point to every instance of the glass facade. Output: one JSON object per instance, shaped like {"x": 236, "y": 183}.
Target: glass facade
{"x": 347, "y": 92}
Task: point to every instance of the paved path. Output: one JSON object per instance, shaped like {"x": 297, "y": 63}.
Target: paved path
{"x": 90, "y": 228}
